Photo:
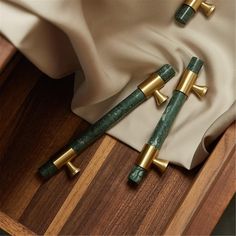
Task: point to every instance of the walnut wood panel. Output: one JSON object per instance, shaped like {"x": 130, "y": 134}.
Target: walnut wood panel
{"x": 35, "y": 122}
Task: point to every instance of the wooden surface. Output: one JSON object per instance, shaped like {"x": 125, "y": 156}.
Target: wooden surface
{"x": 36, "y": 121}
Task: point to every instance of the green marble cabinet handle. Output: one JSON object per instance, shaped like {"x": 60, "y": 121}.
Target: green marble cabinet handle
{"x": 149, "y": 154}
{"x": 188, "y": 9}
{"x": 150, "y": 87}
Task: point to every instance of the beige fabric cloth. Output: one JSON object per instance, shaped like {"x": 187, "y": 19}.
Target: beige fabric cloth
{"x": 117, "y": 43}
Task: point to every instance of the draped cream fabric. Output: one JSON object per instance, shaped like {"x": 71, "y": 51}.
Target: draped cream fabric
{"x": 115, "y": 44}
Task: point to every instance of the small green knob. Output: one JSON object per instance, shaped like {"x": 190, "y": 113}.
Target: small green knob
{"x": 184, "y": 14}
{"x": 195, "y": 65}
{"x": 137, "y": 174}
{"x": 48, "y": 170}
{"x": 166, "y": 72}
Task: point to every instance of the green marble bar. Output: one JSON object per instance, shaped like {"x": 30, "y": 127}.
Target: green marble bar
{"x": 166, "y": 72}
{"x": 161, "y": 131}
{"x": 195, "y": 65}
{"x": 167, "y": 119}
{"x": 184, "y": 14}
{"x": 47, "y": 170}
{"x": 108, "y": 120}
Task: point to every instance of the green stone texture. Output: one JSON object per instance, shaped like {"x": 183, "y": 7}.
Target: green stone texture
{"x": 166, "y": 72}
{"x": 137, "y": 174}
{"x": 48, "y": 170}
{"x": 184, "y": 14}
{"x": 195, "y": 65}
{"x": 108, "y": 120}
{"x": 167, "y": 119}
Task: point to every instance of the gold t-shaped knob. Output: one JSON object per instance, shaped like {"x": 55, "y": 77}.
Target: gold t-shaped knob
{"x": 72, "y": 169}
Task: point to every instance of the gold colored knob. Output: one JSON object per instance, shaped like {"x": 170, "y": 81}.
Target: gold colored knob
{"x": 159, "y": 97}
{"x": 160, "y": 164}
{"x": 200, "y": 91}
{"x": 207, "y": 8}
{"x": 72, "y": 169}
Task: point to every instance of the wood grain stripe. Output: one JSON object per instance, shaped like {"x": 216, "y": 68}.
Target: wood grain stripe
{"x": 12, "y": 227}
{"x": 202, "y": 185}
{"x": 81, "y": 186}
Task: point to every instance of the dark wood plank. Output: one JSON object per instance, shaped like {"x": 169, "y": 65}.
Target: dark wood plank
{"x": 32, "y": 128}
{"x": 13, "y": 100}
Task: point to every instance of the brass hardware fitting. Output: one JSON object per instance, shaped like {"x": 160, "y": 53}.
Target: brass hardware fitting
{"x": 148, "y": 156}
{"x": 65, "y": 160}
{"x": 73, "y": 170}
{"x": 207, "y": 8}
{"x": 187, "y": 84}
{"x": 151, "y": 87}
